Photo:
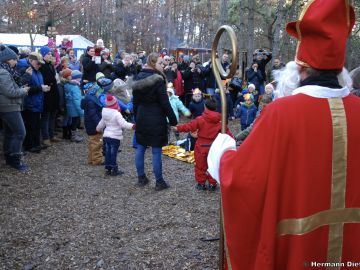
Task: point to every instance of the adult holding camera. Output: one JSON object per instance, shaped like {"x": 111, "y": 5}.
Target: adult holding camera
{"x": 262, "y": 57}
{"x": 193, "y": 78}
{"x": 254, "y": 76}
{"x": 210, "y": 82}
{"x": 124, "y": 68}
{"x": 169, "y": 71}
{"x": 10, "y": 110}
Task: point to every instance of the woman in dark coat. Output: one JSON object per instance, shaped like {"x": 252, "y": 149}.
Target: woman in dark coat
{"x": 151, "y": 108}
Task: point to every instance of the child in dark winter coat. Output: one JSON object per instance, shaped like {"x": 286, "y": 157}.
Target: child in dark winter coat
{"x": 208, "y": 126}
{"x": 92, "y": 116}
{"x": 196, "y": 105}
{"x": 246, "y": 111}
{"x": 113, "y": 122}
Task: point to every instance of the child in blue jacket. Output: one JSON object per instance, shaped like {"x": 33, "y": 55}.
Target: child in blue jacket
{"x": 246, "y": 111}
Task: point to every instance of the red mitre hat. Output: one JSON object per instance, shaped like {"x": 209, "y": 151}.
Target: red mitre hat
{"x": 322, "y": 31}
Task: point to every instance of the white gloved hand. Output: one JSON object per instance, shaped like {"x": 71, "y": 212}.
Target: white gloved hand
{"x": 222, "y": 143}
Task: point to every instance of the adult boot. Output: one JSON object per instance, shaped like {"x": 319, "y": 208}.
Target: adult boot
{"x": 142, "y": 181}
{"x": 161, "y": 184}
{"x": 15, "y": 161}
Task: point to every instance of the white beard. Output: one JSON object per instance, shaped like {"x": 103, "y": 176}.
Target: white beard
{"x": 288, "y": 79}
{"x": 345, "y": 79}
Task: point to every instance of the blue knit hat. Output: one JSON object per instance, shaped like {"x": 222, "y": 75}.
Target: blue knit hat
{"x": 91, "y": 88}
{"x": 44, "y": 50}
{"x": 6, "y": 54}
{"x": 75, "y": 74}
{"x": 105, "y": 84}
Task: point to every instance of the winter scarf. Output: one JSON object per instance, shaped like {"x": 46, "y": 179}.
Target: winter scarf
{"x": 14, "y": 73}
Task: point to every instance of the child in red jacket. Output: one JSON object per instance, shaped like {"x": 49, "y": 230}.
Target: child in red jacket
{"x": 207, "y": 126}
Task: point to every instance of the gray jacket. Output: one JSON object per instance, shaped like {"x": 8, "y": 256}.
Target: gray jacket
{"x": 10, "y": 93}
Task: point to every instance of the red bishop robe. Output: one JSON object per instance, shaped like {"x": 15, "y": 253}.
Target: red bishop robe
{"x": 295, "y": 174}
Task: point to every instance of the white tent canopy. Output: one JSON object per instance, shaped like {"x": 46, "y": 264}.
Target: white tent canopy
{"x": 23, "y": 40}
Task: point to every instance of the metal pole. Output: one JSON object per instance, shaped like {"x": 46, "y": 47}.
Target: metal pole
{"x": 218, "y": 70}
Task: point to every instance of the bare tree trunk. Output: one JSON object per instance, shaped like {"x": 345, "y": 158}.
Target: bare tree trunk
{"x": 278, "y": 24}
{"x": 222, "y": 20}
{"x": 119, "y": 22}
{"x": 210, "y": 24}
{"x": 251, "y": 29}
{"x": 242, "y": 36}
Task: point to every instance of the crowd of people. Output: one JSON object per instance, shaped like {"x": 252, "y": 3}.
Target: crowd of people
{"x": 51, "y": 87}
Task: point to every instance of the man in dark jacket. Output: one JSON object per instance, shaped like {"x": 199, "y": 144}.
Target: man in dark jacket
{"x": 89, "y": 66}
{"x": 51, "y": 98}
{"x": 34, "y": 102}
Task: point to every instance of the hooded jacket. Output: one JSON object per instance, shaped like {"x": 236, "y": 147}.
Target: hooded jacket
{"x": 113, "y": 122}
{"x": 151, "y": 107}
{"x": 10, "y": 93}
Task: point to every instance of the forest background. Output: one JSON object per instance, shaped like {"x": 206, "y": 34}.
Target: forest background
{"x": 151, "y": 25}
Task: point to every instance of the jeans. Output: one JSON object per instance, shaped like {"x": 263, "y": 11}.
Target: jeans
{"x": 111, "y": 151}
{"x": 47, "y": 125}
{"x": 156, "y": 161}
{"x": 14, "y": 132}
{"x": 33, "y": 129}
{"x": 210, "y": 91}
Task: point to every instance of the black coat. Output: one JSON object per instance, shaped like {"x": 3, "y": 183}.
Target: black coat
{"x": 51, "y": 98}
{"x": 90, "y": 68}
{"x": 193, "y": 80}
{"x": 151, "y": 107}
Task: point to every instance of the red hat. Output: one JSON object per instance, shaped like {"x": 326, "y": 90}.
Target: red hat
{"x": 111, "y": 102}
{"x": 322, "y": 31}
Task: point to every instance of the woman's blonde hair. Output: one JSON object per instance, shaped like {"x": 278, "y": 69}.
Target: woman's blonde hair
{"x": 152, "y": 59}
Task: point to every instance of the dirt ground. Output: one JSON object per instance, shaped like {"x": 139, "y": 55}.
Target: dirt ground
{"x": 65, "y": 214}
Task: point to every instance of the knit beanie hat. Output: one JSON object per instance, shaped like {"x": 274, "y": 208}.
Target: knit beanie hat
{"x": 44, "y": 50}
{"x": 252, "y": 86}
{"x": 6, "y": 54}
{"x": 99, "y": 75}
{"x": 66, "y": 73}
{"x": 75, "y": 74}
{"x": 111, "y": 102}
{"x": 119, "y": 84}
{"x": 91, "y": 88}
{"x": 16, "y": 50}
{"x": 105, "y": 84}
{"x": 210, "y": 104}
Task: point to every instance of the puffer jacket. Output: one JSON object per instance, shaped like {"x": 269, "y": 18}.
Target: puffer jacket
{"x": 178, "y": 106}
{"x": 34, "y": 101}
{"x": 10, "y": 93}
{"x": 151, "y": 107}
{"x": 113, "y": 122}
{"x": 73, "y": 99}
{"x": 92, "y": 113}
